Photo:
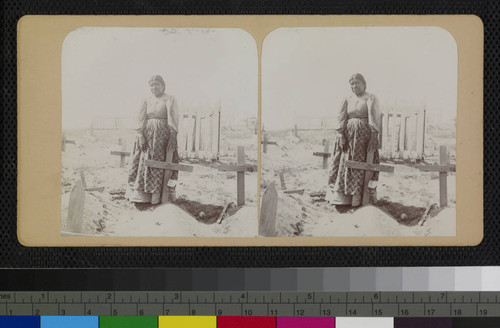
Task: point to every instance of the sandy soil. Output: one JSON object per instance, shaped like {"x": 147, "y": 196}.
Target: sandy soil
{"x": 206, "y": 190}
{"x": 404, "y": 196}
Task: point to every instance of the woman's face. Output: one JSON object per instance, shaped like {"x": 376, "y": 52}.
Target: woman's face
{"x": 357, "y": 87}
{"x": 156, "y": 88}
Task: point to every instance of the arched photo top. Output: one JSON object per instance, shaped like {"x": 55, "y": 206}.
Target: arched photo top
{"x": 105, "y": 70}
{"x": 417, "y": 64}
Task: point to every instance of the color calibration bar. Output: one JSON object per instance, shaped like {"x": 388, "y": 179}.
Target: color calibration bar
{"x": 242, "y": 322}
{"x": 256, "y": 279}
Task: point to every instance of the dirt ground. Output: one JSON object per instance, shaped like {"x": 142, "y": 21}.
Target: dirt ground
{"x": 201, "y": 194}
{"x": 403, "y": 196}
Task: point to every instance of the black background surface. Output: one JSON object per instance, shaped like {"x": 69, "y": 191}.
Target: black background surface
{"x": 14, "y": 255}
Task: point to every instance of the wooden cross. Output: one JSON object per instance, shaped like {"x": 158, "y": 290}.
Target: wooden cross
{"x": 123, "y": 153}
{"x": 240, "y": 168}
{"x": 268, "y": 211}
{"x": 369, "y": 168}
{"x": 65, "y": 141}
{"x": 266, "y": 142}
{"x": 282, "y": 180}
{"x": 84, "y": 183}
{"x": 325, "y": 154}
{"x": 443, "y": 168}
{"x": 288, "y": 191}
{"x": 168, "y": 166}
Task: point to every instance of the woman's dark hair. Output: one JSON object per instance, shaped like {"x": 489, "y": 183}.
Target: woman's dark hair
{"x": 359, "y": 77}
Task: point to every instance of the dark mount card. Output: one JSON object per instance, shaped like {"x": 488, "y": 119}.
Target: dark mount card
{"x": 464, "y": 248}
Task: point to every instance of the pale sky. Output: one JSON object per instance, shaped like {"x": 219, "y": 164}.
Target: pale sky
{"x": 105, "y": 71}
{"x": 305, "y": 71}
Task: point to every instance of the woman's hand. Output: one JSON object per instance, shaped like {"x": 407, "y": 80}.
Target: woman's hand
{"x": 142, "y": 142}
{"x": 341, "y": 142}
{"x": 373, "y": 144}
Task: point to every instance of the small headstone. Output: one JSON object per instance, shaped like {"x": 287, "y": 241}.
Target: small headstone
{"x": 268, "y": 212}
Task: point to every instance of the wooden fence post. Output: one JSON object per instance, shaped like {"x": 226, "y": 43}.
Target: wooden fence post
{"x": 191, "y": 133}
{"x": 385, "y": 133}
{"x": 402, "y": 135}
{"x": 421, "y": 133}
{"x": 218, "y": 132}
{"x": 197, "y": 134}
{"x": 394, "y": 136}
{"x": 181, "y": 142}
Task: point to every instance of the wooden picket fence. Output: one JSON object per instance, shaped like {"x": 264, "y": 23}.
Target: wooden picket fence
{"x": 198, "y": 137}
{"x": 403, "y": 134}
{"x": 402, "y": 130}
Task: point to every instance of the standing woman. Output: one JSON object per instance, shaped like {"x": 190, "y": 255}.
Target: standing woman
{"x": 157, "y": 126}
{"x": 358, "y": 125}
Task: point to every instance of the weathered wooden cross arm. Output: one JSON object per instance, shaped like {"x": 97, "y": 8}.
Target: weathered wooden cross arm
{"x": 443, "y": 168}
{"x": 293, "y": 191}
{"x": 120, "y": 153}
{"x": 325, "y": 154}
{"x": 369, "y": 167}
{"x": 436, "y": 168}
{"x": 238, "y": 168}
{"x": 269, "y": 142}
{"x": 65, "y": 141}
{"x": 322, "y": 154}
{"x": 169, "y": 166}
{"x": 266, "y": 142}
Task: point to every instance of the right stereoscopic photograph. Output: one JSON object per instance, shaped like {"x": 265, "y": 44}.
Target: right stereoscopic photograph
{"x": 358, "y": 132}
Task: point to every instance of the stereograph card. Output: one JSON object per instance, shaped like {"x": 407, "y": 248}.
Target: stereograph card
{"x": 250, "y": 130}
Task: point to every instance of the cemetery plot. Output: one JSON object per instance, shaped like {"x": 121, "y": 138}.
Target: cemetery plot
{"x": 415, "y": 195}
{"x": 216, "y": 195}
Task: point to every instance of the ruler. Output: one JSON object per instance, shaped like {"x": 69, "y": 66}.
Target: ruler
{"x": 249, "y": 303}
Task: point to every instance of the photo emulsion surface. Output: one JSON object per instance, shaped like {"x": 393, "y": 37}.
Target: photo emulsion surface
{"x": 359, "y": 132}
{"x": 160, "y": 132}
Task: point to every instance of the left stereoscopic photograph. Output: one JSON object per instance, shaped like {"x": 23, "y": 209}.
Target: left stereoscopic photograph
{"x": 159, "y": 132}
